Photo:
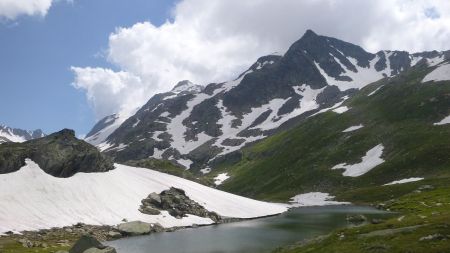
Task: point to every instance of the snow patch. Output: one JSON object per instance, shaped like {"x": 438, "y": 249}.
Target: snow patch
{"x": 315, "y": 199}
{"x": 375, "y": 91}
{"x": 185, "y": 162}
{"x": 435, "y": 61}
{"x": 369, "y": 161}
{"x": 444, "y": 121}
{"x": 441, "y": 73}
{"x": 362, "y": 77}
{"x": 341, "y": 109}
{"x": 353, "y": 128}
{"x": 31, "y": 199}
{"x": 8, "y": 134}
{"x": 205, "y": 170}
{"x": 219, "y": 179}
{"x": 136, "y": 123}
{"x": 406, "y": 180}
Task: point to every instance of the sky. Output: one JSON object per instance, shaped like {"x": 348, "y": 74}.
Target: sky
{"x": 68, "y": 63}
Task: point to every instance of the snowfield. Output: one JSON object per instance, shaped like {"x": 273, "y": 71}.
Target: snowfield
{"x": 444, "y": 121}
{"x": 369, "y": 161}
{"x": 30, "y": 199}
{"x": 441, "y": 73}
{"x": 406, "y": 180}
{"x": 315, "y": 199}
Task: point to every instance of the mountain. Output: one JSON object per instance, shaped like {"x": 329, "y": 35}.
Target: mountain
{"x": 202, "y": 128}
{"x": 395, "y": 130}
{"x": 59, "y": 154}
{"x": 8, "y": 134}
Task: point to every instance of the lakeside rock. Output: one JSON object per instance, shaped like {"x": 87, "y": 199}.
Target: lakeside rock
{"x": 88, "y": 244}
{"x": 134, "y": 228}
{"x": 176, "y": 203}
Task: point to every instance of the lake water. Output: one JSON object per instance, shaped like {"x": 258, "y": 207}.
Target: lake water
{"x": 260, "y": 235}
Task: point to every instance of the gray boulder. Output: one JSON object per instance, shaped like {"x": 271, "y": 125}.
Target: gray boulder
{"x": 138, "y": 228}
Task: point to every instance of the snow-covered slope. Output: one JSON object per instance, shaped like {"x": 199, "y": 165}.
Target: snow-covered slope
{"x": 30, "y": 199}
{"x": 8, "y": 134}
{"x": 105, "y": 127}
{"x": 198, "y": 127}
{"x": 441, "y": 73}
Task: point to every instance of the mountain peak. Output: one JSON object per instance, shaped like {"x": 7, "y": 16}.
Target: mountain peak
{"x": 309, "y": 34}
{"x": 186, "y": 86}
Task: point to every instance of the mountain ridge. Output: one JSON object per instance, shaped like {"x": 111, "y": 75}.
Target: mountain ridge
{"x": 316, "y": 74}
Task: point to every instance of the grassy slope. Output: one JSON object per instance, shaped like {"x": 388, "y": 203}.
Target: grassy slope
{"x": 400, "y": 116}
{"x": 427, "y": 210}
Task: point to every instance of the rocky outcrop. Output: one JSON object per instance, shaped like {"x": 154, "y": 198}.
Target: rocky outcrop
{"x": 60, "y": 154}
{"x": 176, "y": 203}
{"x": 134, "y": 228}
{"x": 88, "y": 244}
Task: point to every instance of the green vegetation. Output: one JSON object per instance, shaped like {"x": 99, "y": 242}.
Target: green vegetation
{"x": 400, "y": 115}
{"x": 9, "y": 245}
{"x": 422, "y": 224}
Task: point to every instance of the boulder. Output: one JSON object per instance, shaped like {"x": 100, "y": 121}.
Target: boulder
{"x": 135, "y": 228}
{"x": 177, "y": 203}
{"x": 84, "y": 243}
{"x": 356, "y": 218}
{"x": 114, "y": 235}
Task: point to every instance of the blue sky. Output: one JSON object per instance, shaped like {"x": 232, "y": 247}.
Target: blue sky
{"x": 56, "y": 43}
{"x": 36, "y": 54}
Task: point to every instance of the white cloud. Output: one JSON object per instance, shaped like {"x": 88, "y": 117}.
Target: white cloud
{"x": 214, "y": 40}
{"x": 108, "y": 91}
{"x": 11, "y": 9}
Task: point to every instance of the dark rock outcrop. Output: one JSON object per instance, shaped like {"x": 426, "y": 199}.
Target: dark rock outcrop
{"x": 89, "y": 244}
{"x": 60, "y": 154}
{"x": 177, "y": 204}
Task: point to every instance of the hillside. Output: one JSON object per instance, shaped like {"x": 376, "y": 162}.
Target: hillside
{"x": 391, "y": 130}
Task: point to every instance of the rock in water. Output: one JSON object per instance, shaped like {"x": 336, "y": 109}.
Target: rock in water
{"x": 356, "y": 219}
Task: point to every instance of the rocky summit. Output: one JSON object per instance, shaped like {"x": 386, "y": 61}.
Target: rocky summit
{"x": 59, "y": 154}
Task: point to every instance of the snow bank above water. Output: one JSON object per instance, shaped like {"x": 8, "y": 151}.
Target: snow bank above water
{"x": 315, "y": 199}
{"x": 30, "y": 199}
